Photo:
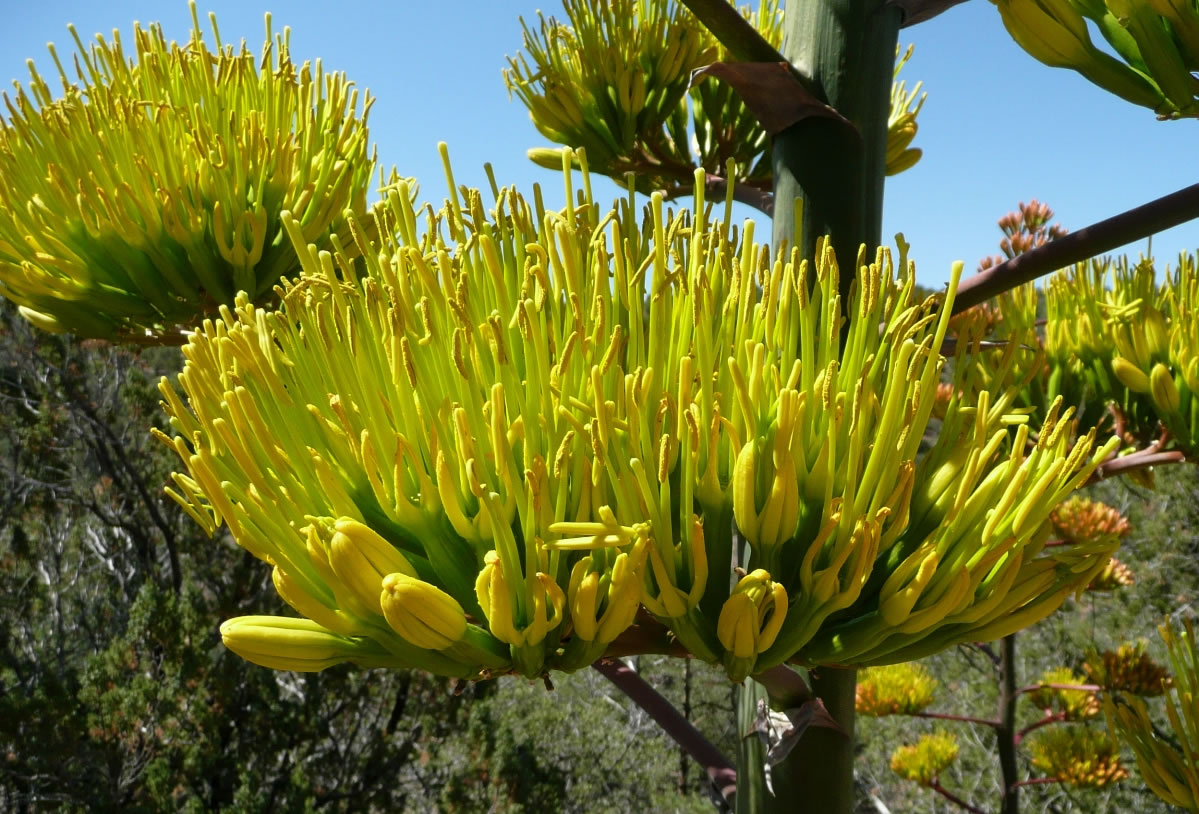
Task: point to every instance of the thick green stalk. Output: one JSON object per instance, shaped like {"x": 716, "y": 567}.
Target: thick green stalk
{"x": 752, "y": 796}
{"x": 847, "y": 49}
{"x": 819, "y": 771}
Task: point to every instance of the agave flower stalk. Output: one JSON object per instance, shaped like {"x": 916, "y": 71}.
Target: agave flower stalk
{"x": 532, "y": 423}
{"x": 150, "y": 192}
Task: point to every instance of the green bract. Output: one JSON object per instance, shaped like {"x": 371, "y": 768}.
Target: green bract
{"x": 150, "y": 192}
{"x": 553, "y": 418}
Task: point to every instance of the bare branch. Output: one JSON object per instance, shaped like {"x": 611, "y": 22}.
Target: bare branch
{"x": 718, "y": 767}
{"x": 734, "y": 32}
{"x": 953, "y": 798}
{"x": 1120, "y": 230}
{"x": 946, "y": 716}
{"x": 1141, "y": 459}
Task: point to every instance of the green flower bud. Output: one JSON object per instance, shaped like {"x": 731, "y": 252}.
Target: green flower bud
{"x": 750, "y": 621}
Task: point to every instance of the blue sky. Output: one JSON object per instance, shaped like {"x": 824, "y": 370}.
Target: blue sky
{"x": 998, "y": 127}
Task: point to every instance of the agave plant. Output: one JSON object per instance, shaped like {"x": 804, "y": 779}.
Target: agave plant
{"x": 504, "y": 438}
{"x": 149, "y": 193}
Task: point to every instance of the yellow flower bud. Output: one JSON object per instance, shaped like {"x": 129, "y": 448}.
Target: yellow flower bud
{"x": 494, "y": 598}
{"x": 421, "y": 613}
{"x": 283, "y": 643}
{"x": 1162, "y": 389}
{"x": 1130, "y": 375}
{"x": 751, "y": 617}
{"x": 583, "y": 599}
{"x": 311, "y": 607}
{"x": 624, "y": 598}
{"x": 361, "y": 558}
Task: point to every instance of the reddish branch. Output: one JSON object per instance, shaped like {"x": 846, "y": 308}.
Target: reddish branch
{"x": 716, "y": 186}
{"x": 946, "y": 716}
{"x": 1038, "y": 781}
{"x": 1076, "y": 687}
{"x": 1141, "y": 459}
{"x": 1054, "y": 718}
{"x": 735, "y": 32}
{"x": 953, "y": 798}
{"x": 1135, "y": 224}
{"x": 716, "y": 765}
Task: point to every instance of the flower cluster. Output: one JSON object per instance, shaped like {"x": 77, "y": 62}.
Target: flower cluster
{"x": 894, "y": 689}
{"x": 1150, "y": 53}
{"x": 1078, "y": 755}
{"x": 1169, "y": 765}
{"x": 1129, "y": 669}
{"x": 1081, "y": 519}
{"x": 614, "y": 78}
{"x": 487, "y": 441}
{"x": 1073, "y": 705}
{"x": 151, "y": 191}
{"x": 923, "y": 761}
{"x": 1116, "y": 343}
{"x": 1116, "y": 574}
